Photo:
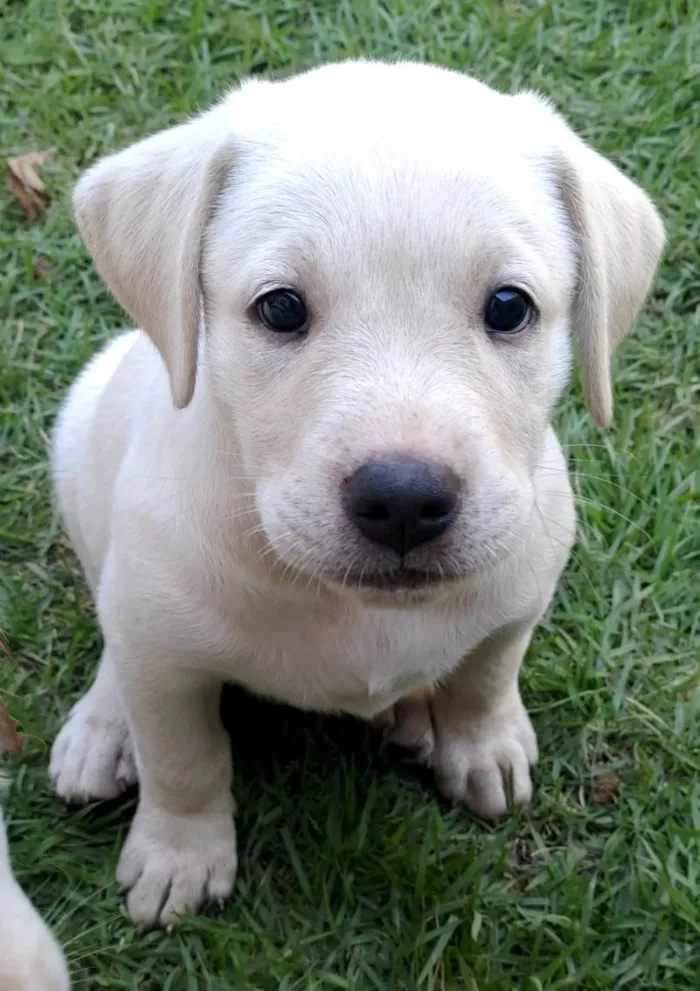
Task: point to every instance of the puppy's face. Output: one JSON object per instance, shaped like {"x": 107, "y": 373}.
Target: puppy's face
{"x": 389, "y": 335}
{"x": 389, "y": 261}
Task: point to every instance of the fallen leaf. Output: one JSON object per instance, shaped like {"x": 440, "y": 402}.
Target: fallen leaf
{"x": 605, "y": 788}
{"x": 25, "y": 183}
{"x": 43, "y": 269}
{"x": 10, "y": 740}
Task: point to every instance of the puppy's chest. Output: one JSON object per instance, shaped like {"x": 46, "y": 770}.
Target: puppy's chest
{"x": 359, "y": 662}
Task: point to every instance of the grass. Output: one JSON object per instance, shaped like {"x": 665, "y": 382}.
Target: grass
{"x": 354, "y": 875}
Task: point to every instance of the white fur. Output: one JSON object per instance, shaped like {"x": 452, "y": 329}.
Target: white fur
{"x": 396, "y": 198}
{"x": 30, "y": 958}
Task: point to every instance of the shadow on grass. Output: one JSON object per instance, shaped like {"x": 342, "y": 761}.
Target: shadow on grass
{"x": 271, "y": 740}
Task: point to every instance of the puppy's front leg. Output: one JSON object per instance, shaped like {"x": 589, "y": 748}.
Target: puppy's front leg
{"x": 474, "y": 730}
{"x": 181, "y": 849}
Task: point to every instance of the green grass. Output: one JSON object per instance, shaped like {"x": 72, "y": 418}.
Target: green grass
{"x": 353, "y": 874}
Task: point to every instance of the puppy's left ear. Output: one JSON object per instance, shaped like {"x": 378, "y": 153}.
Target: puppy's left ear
{"x": 619, "y": 238}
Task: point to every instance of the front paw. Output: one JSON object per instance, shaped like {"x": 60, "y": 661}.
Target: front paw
{"x": 92, "y": 757}
{"x": 484, "y": 760}
{"x": 481, "y": 759}
{"x": 171, "y": 864}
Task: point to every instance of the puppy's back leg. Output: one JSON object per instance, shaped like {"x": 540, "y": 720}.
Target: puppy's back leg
{"x": 93, "y": 757}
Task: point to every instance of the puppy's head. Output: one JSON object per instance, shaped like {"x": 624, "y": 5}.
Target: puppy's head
{"x": 376, "y": 272}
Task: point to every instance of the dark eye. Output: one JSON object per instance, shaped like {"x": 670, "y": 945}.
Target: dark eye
{"x": 508, "y": 311}
{"x": 283, "y": 311}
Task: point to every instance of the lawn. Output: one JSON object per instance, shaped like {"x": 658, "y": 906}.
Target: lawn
{"x": 353, "y": 873}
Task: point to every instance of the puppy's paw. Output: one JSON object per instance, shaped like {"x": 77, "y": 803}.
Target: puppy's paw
{"x": 485, "y": 761}
{"x": 409, "y": 724}
{"x": 171, "y": 865}
{"x": 481, "y": 760}
{"x": 92, "y": 757}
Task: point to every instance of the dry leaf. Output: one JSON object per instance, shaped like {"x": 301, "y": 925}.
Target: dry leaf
{"x": 605, "y": 788}
{"x": 10, "y": 740}
{"x": 26, "y": 185}
{"x": 43, "y": 269}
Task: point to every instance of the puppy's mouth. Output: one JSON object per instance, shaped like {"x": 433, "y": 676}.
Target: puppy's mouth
{"x": 396, "y": 580}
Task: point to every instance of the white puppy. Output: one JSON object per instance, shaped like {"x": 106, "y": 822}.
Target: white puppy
{"x": 30, "y": 958}
{"x": 325, "y": 471}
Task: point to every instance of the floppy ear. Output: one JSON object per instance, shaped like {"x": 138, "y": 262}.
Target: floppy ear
{"x": 142, "y": 213}
{"x": 619, "y": 240}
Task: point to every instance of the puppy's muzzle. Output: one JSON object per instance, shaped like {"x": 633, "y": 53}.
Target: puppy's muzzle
{"x": 401, "y": 503}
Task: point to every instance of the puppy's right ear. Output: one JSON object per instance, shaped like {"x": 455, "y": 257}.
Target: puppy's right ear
{"x": 142, "y": 214}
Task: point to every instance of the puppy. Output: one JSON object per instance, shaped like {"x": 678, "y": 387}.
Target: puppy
{"x": 324, "y": 468}
{"x": 30, "y": 958}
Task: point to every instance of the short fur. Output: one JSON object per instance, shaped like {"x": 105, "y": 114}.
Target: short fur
{"x": 200, "y": 478}
{"x": 30, "y": 958}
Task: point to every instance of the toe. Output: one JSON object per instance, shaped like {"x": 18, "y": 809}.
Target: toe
{"x": 413, "y": 728}
{"x": 126, "y": 775}
{"x": 148, "y": 898}
{"x": 185, "y": 893}
{"x": 220, "y": 881}
{"x": 130, "y": 867}
{"x": 516, "y": 772}
{"x": 451, "y": 768}
{"x": 485, "y": 793}
{"x": 529, "y": 743}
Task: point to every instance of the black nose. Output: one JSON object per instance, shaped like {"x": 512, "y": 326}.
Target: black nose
{"x": 403, "y": 503}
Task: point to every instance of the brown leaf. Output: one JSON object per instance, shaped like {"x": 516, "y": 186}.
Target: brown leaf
{"x": 10, "y": 740}
{"x": 25, "y": 183}
{"x": 606, "y": 787}
{"x": 43, "y": 269}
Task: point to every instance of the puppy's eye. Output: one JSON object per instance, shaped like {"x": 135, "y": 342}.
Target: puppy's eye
{"x": 508, "y": 311}
{"x": 283, "y": 311}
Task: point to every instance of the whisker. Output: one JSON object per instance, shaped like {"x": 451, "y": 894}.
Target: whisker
{"x": 597, "y": 478}
{"x": 573, "y": 554}
{"x": 585, "y": 501}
